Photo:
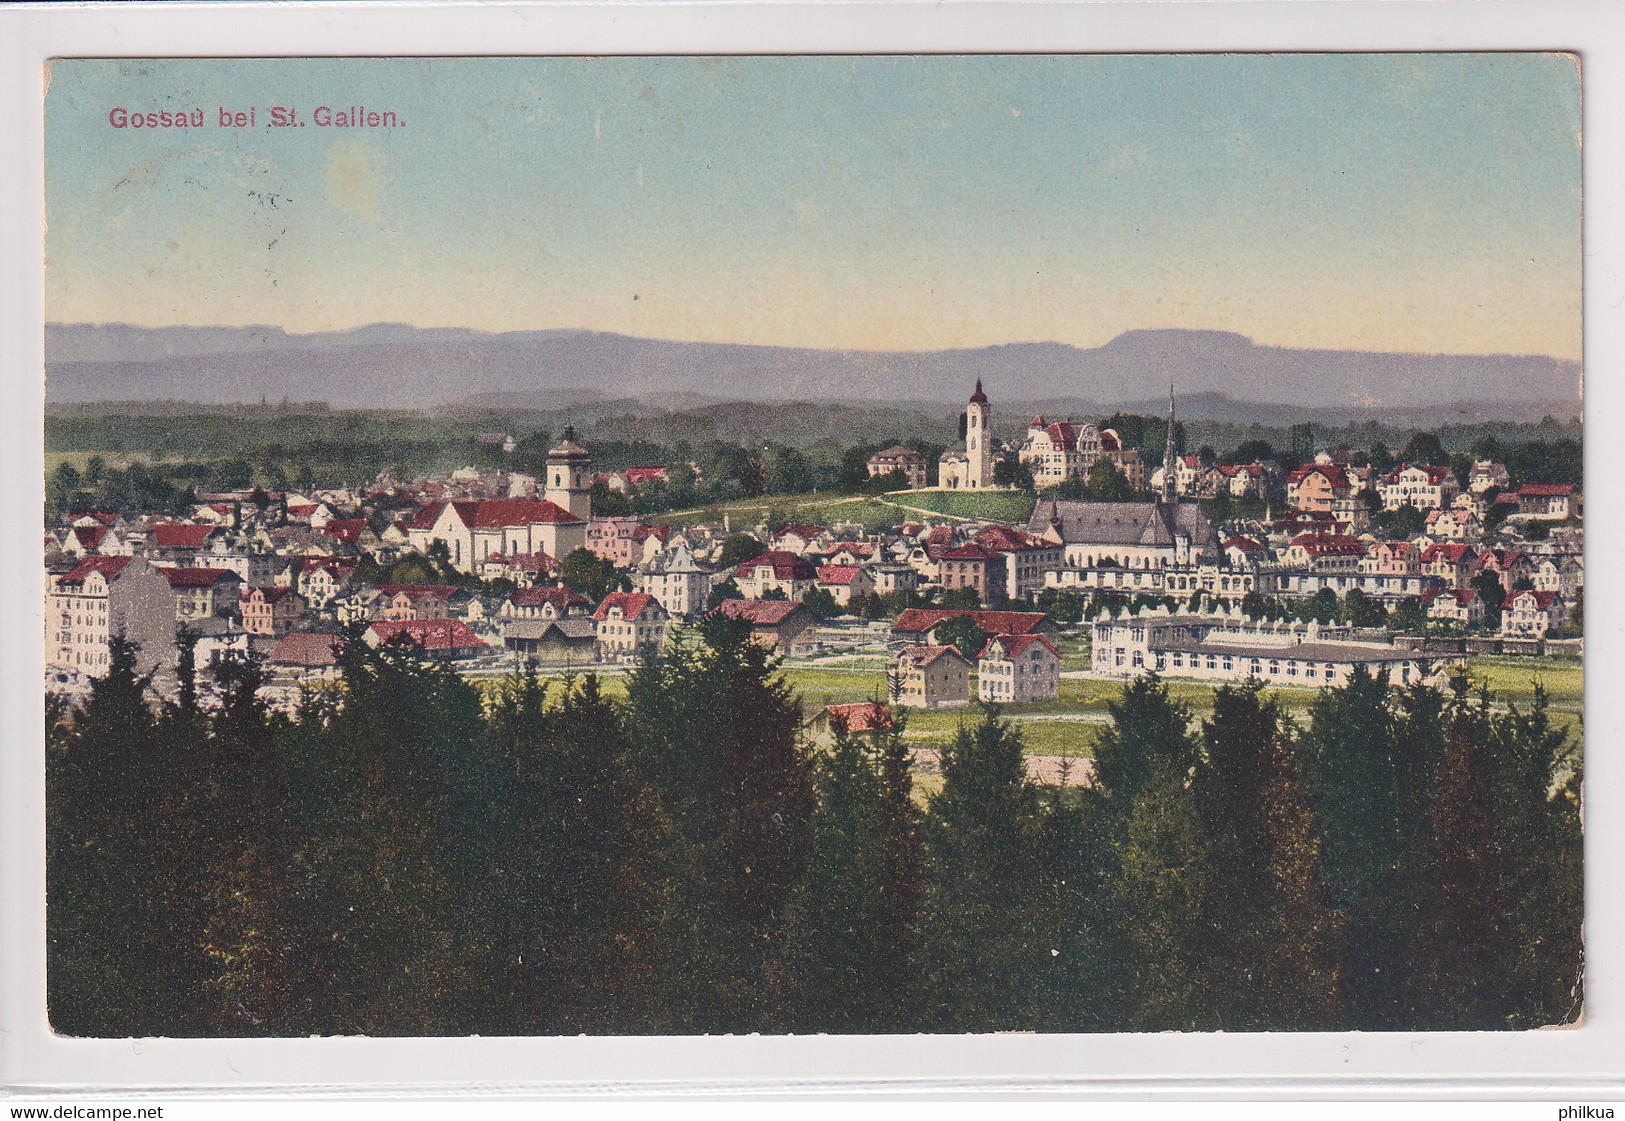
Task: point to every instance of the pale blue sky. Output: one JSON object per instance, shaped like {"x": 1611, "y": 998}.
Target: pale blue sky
{"x": 1395, "y": 202}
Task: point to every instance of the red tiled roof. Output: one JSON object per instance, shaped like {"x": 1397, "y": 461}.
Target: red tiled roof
{"x": 1003, "y": 539}
{"x": 499, "y": 512}
{"x": 805, "y": 532}
{"x": 90, "y": 536}
{"x": 177, "y": 535}
{"x": 430, "y": 634}
{"x": 971, "y": 552}
{"x": 1451, "y": 551}
{"x": 561, "y": 598}
{"x": 630, "y": 603}
{"x": 1245, "y": 544}
{"x": 1334, "y": 474}
{"x": 838, "y": 574}
{"x": 196, "y": 577}
{"x": 1436, "y": 475}
{"x": 348, "y": 530}
{"x": 427, "y": 515}
{"x": 1015, "y": 645}
{"x": 1329, "y": 545}
{"x": 786, "y": 566}
{"x": 107, "y": 518}
{"x": 308, "y": 650}
{"x": 270, "y": 595}
{"x": 109, "y": 567}
{"x": 942, "y": 536}
{"x": 637, "y": 476}
{"x": 1545, "y": 490}
{"x": 864, "y": 716}
{"x": 642, "y": 533}
{"x": 757, "y": 612}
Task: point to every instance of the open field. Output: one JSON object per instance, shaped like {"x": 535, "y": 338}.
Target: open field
{"x": 873, "y": 513}
{"x": 993, "y": 506}
{"x": 814, "y": 509}
{"x": 1068, "y": 726}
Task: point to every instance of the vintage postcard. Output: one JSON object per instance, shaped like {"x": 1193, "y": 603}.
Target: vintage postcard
{"x": 868, "y": 545}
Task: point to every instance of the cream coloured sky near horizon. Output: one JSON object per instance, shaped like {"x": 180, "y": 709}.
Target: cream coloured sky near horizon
{"x": 1420, "y": 203}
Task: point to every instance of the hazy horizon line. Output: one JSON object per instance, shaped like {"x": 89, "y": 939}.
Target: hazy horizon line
{"x": 779, "y": 346}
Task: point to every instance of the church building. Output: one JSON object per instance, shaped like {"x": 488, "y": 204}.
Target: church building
{"x": 968, "y": 463}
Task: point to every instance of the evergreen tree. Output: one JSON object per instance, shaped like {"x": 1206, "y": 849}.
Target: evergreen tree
{"x": 716, "y": 732}
{"x": 1268, "y": 964}
{"x": 575, "y": 932}
{"x": 394, "y": 799}
{"x": 104, "y": 972}
{"x": 989, "y": 934}
{"x": 842, "y": 964}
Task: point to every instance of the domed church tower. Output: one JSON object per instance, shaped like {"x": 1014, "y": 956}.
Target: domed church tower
{"x": 978, "y": 441}
{"x": 569, "y": 477}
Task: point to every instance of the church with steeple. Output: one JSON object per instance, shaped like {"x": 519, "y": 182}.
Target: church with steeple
{"x": 1131, "y": 535}
{"x": 968, "y": 464}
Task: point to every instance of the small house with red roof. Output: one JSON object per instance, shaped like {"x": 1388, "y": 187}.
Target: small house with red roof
{"x": 775, "y": 570}
{"x": 1451, "y": 561}
{"x": 800, "y": 539}
{"x": 544, "y": 603}
{"x": 1462, "y": 606}
{"x": 1531, "y": 614}
{"x": 202, "y": 593}
{"x": 969, "y": 566}
{"x": 1018, "y": 669}
{"x": 627, "y": 622}
{"x": 1316, "y": 487}
{"x": 1548, "y": 501}
{"x": 843, "y": 582}
{"x": 775, "y": 624}
{"x": 437, "y": 638}
{"x": 308, "y": 655}
{"x": 1324, "y": 552}
{"x": 178, "y": 542}
{"x": 1418, "y": 485}
{"x": 864, "y": 718}
{"x": 931, "y": 677}
{"x": 270, "y": 611}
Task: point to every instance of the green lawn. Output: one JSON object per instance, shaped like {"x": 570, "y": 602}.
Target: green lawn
{"x": 873, "y": 513}
{"x": 1511, "y": 679}
{"x": 995, "y": 506}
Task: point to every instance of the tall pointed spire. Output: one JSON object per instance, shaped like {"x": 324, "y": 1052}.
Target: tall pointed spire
{"x": 1170, "y": 460}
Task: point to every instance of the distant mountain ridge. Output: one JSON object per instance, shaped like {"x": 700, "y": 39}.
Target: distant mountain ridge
{"x": 391, "y": 365}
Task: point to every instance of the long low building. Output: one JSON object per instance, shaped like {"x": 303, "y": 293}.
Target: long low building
{"x": 1291, "y": 584}
{"x": 1224, "y": 646}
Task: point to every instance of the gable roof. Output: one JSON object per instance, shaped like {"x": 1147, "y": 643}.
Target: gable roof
{"x": 925, "y": 656}
{"x": 786, "y": 566}
{"x": 181, "y": 535}
{"x": 1545, "y": 490}
{"x": 757, "y": 612}
{"x": 839, "y": 575}
{"x": 863, "y": 716}
{"x": 197, "y": 577}
{"x": 560, "y": 597}
{"x": 631, "y": 604}
{"x": 109, "y": 567}
{"x": 416, "y": 592}
{"x": 430, "y": 634}
{"x": 1122, "y": 523}
{"x": 499, "y": 513}
{"x": 1015, "y": 645}
{"x": 299, "y": 649}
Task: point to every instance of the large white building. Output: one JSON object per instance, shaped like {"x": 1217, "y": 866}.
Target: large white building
{"x": 99, "y": 598}
{"x": 1227, "y": 646}
{"x": 680, "y": 585}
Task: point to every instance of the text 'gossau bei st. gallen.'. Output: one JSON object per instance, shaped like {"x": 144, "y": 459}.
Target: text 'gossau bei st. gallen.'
{"x": 276, "y": 116}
